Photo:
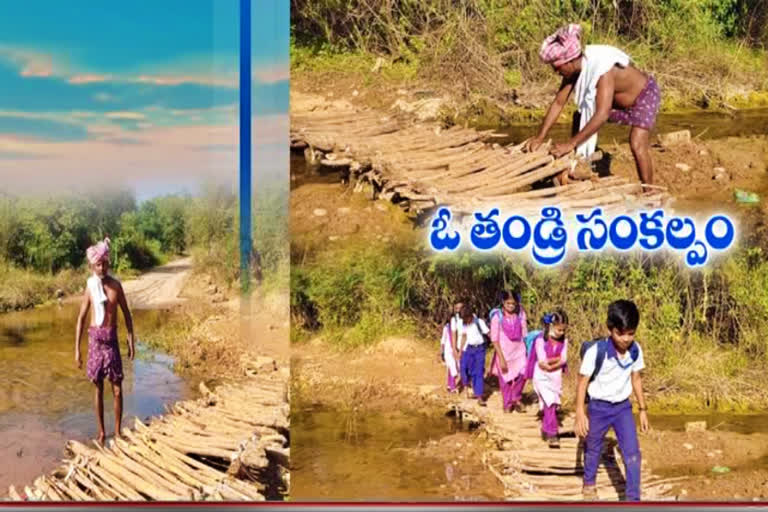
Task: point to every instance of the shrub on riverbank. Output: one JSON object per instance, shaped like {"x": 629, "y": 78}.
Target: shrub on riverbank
{"x": 704, "y": 52}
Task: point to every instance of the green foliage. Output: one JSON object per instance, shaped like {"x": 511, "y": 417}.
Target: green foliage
{"x": 45, "y": 238}
{"x": 356, "y": 297}
{"x": 697, "y": 48}
{"x": 712, "y": 322}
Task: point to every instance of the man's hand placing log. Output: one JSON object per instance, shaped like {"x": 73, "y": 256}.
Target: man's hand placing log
{"x": 560, "y": 150}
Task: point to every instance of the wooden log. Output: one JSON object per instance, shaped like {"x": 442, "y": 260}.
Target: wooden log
{"x": 190, "y": 477}
{"x": 13, "y": 494}
{"x": 53, "y": 493}
{"x": 160, "y": 444}
{"x": 162, "y": 480}
{"x": 82, "y": 496}
{"x": 118, "y": 477}
{"x": 89, "y": 485}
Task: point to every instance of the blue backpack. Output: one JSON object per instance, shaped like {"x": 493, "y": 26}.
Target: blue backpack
{"x": 530, "y": 339}
{"x": 602, "y": 350}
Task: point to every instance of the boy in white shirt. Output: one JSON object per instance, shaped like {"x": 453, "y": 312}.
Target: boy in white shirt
{"x": 610, "y": 371}
{"x": 472, "y": 346}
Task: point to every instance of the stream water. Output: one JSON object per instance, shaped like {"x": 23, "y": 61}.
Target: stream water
{"x": 705, "y": 125}
{"x": 46, "y": 400}
{"x": 382, "y": 456}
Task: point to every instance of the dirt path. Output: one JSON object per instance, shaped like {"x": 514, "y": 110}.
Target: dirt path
{"x": 160, "y": 287}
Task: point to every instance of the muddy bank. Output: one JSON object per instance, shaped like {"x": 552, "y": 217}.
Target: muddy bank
{"x": 526, "y": 104}
{"x": 399, "y": 374}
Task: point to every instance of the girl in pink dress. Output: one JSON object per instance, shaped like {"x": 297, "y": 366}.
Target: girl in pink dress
{"x": 508, "y": 332}
{"x": 548, "y": 358}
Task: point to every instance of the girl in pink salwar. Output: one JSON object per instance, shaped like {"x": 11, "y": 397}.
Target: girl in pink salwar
{"x": 548, "y": 363}
{"x": 508, "y": 332}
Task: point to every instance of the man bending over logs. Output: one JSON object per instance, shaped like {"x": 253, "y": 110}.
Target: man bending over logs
{"x": 606, "y": 87}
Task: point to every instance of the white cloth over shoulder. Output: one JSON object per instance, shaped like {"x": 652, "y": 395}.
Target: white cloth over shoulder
{"x": 98, "y": 298}
{"x": 596, "y": 61}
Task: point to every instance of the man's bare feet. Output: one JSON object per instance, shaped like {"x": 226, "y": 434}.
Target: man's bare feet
{"x": 101, "y": 438}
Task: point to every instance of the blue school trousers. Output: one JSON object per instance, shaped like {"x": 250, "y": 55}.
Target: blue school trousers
{"x": 473, "y": 368}
{"x": 602, "y": 416}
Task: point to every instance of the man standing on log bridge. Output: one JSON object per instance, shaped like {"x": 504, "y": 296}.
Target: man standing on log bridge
{"x": 606, "y": 87}
{"x": 104, "y": 294}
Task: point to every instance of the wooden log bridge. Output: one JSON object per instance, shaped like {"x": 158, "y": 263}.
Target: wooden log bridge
{"x": 530, "y": 470}
{"x": 232, "y": 444}
{"x": 421, "y": 166}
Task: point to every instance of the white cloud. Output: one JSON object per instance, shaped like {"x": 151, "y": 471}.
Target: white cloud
{"x": 89, "y": 78}
{"x": 268, "y": 75}
{"x": 131, "y": 116}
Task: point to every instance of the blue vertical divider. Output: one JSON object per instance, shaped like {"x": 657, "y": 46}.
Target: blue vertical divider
{"x": 246, "y": 238}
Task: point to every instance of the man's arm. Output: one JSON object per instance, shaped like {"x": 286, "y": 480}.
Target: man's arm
{"x": 128, "y": 319}
{"x": 604, "y": 102}
{"x": 553, "y": 113}
{"x": 85, "y": 305}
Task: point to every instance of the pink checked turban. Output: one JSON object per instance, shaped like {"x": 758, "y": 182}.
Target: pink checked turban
{"x": 98, "y": 252}
{"x": 562, "y": 46}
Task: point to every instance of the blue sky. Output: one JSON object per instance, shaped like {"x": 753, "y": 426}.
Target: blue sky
{"x": 99, "y": 92}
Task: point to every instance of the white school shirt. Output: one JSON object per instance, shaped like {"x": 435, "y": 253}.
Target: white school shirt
{"x": 613, "y": 383}
{"x": 596, "y": 61}
{"x": 474, "y": 337}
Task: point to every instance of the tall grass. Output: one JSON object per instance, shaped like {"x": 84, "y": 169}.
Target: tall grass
{"x": 24, "y": 288}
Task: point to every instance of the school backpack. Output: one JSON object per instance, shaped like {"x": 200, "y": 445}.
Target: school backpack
{"x": 602, "y": 350}
{"x": 530, "y": 365}
{"x": 530, "y": 339}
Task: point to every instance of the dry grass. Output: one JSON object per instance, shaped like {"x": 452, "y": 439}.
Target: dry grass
{"x": 21, "y": 289}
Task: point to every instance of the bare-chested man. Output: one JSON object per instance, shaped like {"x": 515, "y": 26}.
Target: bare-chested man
{"x": 606, "y": 87}
{"x": 104, "y": 293}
